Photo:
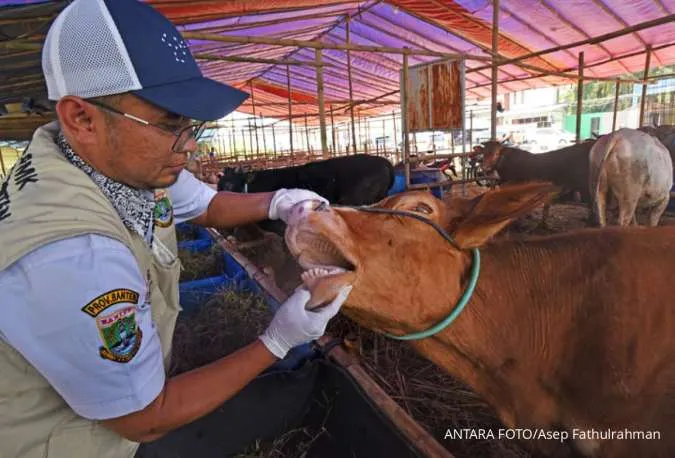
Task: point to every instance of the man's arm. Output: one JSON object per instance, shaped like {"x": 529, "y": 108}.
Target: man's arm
{"x": 193, "y": 394}
{"x": 196, "y": 202}
{"x": 229, "y": 209}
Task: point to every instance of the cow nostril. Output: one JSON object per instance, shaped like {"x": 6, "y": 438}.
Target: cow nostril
{"x": 320, "y": 206}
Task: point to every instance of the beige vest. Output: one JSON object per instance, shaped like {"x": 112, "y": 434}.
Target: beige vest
{"x": 46, "y": 199}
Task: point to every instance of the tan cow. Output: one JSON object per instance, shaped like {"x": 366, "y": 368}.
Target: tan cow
{"x": 633, "y": 167}
{"x": 572, "y": 331}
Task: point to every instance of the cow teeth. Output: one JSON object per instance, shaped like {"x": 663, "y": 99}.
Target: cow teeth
{"x": 313, "y": 273}
{"x": 319, "y": 272}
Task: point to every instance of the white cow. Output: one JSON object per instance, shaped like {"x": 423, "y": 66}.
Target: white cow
{"x": 636, "y": 169}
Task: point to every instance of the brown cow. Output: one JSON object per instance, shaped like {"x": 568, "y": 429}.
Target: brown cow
{"x": 571, "y": 332}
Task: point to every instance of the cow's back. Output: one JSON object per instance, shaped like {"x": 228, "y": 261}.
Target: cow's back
{"x": 633, "y": 163}
{"x": 566, "y": 167}
{"x": 359, "y": 180}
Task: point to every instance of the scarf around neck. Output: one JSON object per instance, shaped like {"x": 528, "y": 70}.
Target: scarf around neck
{"x": 134, "y": 206}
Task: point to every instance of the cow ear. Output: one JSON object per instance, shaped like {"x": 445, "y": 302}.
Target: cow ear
{"x": 474, "y": 222}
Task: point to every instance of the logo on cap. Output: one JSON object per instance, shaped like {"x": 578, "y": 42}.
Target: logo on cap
{"x": 177, "y": 45}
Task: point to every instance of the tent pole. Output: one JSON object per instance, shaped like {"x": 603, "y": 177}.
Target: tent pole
{"x": 255, "y": 124}
{"x": 495, "y": 65}
{"x": 290, "y": 109}
{"x": 322, "y": 110}
{"x": 404, "y": 122}
{"x": 648, "y": 60}
{"x": 332, "y": 131}
{"x": 349, "y": 79}
{"x": 580, "y": 96}
{"x": 616, "y": 103}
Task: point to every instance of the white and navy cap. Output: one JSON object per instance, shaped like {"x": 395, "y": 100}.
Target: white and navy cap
{"x": 104, "y": 47}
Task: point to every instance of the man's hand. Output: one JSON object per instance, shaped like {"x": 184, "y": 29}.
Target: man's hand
{"x": 294, "y": 325}
{"x": 284, "y": 199}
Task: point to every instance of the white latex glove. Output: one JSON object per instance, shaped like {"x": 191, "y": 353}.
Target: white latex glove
{"x": 283, "y": 199}
{"x": 293, "y": 325}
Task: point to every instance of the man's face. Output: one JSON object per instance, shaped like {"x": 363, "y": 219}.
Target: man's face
{"x": 141, "y": 156}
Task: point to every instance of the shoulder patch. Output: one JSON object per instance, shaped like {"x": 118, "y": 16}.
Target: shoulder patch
{"x": 163, "y": 208}
{"x": 120, "y": 334}
{"x": 105, "y": 300}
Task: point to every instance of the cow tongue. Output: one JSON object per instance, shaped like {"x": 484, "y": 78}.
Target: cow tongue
{"x": 324, "y": 283}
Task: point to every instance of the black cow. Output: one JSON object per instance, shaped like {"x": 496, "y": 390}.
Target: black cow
{"x": 566, "y": 167}
{"x": 349, "y": 180}
{"x": 666, "y": 134}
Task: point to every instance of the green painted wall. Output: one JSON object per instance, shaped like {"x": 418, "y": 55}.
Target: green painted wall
{"x": 605, "y": 123}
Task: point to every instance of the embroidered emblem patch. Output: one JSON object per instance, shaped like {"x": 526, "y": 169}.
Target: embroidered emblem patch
{"x": 163, "y": 208}
{"x": 105, "y": 300}
{"x": 120, "y": 334}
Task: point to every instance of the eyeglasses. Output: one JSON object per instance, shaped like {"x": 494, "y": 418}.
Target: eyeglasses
{"x": 183, "y": 134}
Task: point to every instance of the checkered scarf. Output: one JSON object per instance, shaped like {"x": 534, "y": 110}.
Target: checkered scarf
{"x": 135, "y": 207}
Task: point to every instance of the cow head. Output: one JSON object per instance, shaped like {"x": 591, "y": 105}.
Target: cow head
{"x": 234, "y": 179}
{"x": 399, "y": 267}
{"x": 492, "y": 151}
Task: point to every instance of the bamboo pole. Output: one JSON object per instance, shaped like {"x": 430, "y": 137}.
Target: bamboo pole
{"x": 307, "y": 149}
{"x": 255, "y": 60}
{"x": 263, "y": 135}
{"x": 322, "y": 110}
{"x": 380, "y": 49}
{"x": 290, "y": 109}
{"x": 393, "y": 119}
{"x": 250, "y": 135}
{"x": 616, "y": 103}
{"x": 495, "y": 67}
{"x": 470, "y": 129}
{"x": 384, "y": 135}
{"x": 580, "y": 96}
{"x": 332, "y": 130}
{"x": 367, "y": 132}
{"x": 255, "y": 123}
{"x": 23, "y": 20}
{"x": 648, "y": 60}
{"x": 322, "y": 45}
{"x": 600, "y": 38}
{"x": 243, "y": 138}
{"x": 349, "y": 79}
{"x": 274, "y": 140}
{"x": 404, "y": 122}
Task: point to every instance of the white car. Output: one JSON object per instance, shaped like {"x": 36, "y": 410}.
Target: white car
{"x": 549, "y": 139}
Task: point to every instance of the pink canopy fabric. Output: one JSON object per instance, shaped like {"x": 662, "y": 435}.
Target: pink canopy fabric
{"x": 451, "y": 26}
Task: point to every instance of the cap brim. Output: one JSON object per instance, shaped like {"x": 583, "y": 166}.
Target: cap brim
{"x": 202, "y": 99}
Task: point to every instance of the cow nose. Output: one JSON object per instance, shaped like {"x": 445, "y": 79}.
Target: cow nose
{"x": 301, "y": 210}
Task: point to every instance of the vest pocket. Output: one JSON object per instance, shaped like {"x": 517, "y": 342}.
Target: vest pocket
{"x": 88, "y": 439}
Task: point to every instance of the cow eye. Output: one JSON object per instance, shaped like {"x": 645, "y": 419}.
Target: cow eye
{"x": 423, "y": 208}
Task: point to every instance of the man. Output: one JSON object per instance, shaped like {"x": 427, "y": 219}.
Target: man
{"x": 88, "y": 267}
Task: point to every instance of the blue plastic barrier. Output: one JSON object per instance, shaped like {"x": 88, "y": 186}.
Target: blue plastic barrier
{"x": 194, "y": 293}
{"x": 416, "y": 177}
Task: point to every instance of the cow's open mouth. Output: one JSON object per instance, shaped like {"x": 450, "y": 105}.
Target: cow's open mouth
{"x": 327, "y": 266}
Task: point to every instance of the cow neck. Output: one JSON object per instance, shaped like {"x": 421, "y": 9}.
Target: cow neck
{"x": 468, "y": 292}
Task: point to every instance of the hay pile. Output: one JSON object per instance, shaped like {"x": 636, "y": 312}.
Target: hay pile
{"x": 201, "y": 264}
{"x": 227, "y": 321}
{"x": 433, "y": 398}
{"x": 295, "y": 443}
{"x": 187, "y": 233}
